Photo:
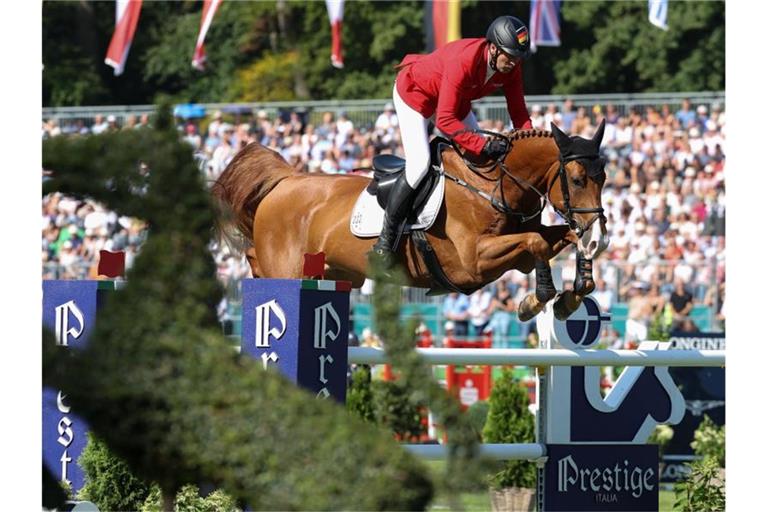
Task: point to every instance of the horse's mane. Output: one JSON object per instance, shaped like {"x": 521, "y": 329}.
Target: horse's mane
{"x": 524, "y": 134}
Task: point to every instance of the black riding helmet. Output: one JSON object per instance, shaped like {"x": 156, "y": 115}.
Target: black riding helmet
{"x": 511, "y": 36}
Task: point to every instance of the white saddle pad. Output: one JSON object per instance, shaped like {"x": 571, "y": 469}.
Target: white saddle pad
{"x": 368, "y": 216}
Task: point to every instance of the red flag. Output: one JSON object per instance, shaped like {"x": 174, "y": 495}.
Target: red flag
{"x": 126, "y": 19}
{"x": 209, "y": 9}
{"x": 336, "y": 14}
{"x": 111, "y": 264}
{"x": 314, "y": 265}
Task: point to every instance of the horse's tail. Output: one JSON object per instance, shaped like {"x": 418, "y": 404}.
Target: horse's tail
{"x": 248, "y": 178}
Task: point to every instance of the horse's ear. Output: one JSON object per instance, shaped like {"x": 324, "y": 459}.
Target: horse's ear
{"x": 598, "y": 137}
{"x": 561, "y": 139}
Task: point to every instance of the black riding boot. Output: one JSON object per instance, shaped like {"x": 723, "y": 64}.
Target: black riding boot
{"x": 399, "y": 204}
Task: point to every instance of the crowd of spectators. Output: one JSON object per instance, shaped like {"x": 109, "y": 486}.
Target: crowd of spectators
{"x": 664, "y": 198}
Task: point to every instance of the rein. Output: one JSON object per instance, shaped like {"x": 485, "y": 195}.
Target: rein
{"x": 502, "y": 205}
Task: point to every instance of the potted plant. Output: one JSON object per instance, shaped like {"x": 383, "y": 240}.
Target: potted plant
{"x": 510, "y": 421}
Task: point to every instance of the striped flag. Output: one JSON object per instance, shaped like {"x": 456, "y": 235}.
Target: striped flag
{"x": 336, "y": 15}
{"x": 209, "y": 9}
{"x": 657, "y": 13}
{"x": 545, "y": 23}
{"x": 126, "y": 19}
{"x": 442, "y": 22}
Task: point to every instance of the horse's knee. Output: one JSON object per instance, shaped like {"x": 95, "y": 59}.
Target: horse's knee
{"x": 538, "y": 247}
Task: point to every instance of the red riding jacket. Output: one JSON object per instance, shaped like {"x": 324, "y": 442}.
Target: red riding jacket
{"x": 445, "y": 82}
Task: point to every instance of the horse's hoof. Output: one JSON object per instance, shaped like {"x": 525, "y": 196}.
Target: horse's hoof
{"x": 529, "y": 307}
{"x": 565, "y": 304}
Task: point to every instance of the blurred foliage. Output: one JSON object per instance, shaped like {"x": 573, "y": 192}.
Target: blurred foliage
{"x": 478, "y": 415}
{"x": 510, "y": 421}
{"x": 464, "y": 469}
{"x": 267, "y": 79}
{"x": 396, "y": 408}
{"x": 188, "y": 499}
{"x": 160, "y": 384}
{"x": 606, "y": 47}
{"x": 360, "y": 395}
{"x": 54, "y": 493}
{"x": 709, "y": 440}
{"x": 661, "y": 436}
{"x": 703, "y": 490}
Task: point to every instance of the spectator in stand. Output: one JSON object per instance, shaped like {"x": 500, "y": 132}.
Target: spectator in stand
{"x": 192, "y": 137}
{"x": 552, "y": 116}
{"x": 456, "y": 309}
{"x": 112, "y": 124}
{"x": 501, "y": 309}
{"x": 99, "y": 125}
{"x": 143, "y": 121}
{"x": 603, "y": 295}
{"x": 479, "y": 311}
{"x": 130, "y": 122}
{"x": 685, "y": 116}
{"x": 567, "y": 116}
{"x": 386, "y": 124}
{"x": 343, "y": 127}
{"x": 681, "y": 301}
{"x": 638, "y": 314}
{"x": 538, "y": 121}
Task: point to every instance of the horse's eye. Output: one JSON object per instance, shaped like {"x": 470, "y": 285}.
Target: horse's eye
{"x": 579, "y": 181}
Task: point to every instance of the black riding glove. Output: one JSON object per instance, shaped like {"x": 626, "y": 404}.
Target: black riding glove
{"x": 495, "y": 148}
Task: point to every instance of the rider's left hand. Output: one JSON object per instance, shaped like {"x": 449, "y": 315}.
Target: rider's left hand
{"x": 495, "y": 148}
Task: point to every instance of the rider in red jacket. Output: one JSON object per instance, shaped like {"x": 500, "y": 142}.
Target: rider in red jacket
{"x": 439, "y": 87}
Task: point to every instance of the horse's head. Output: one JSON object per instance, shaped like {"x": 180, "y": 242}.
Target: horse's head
{"x": 577, "y": 196}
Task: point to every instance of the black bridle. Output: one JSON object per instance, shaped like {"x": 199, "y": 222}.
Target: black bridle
{"x": 501, "y": 205}
{"x": 568, "y": 214}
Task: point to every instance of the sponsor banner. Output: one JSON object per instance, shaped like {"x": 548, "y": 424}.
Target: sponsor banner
{"x": 601, "y": 478}
{"x": 704, "y": 392}
{"x": 301, "y": 328}
{"x": 69, "y": 310}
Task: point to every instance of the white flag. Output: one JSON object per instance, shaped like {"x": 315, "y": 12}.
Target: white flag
{"x": 657, "y": 13}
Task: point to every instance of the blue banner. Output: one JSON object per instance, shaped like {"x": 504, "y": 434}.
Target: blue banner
{"x": 69, "y": 311}
{"x": 598, "y": 477}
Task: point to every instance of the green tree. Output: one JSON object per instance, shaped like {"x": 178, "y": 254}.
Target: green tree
{"x": 509, "y": 421}
{"x": 611, "y": 47}
{"x": 109, "y": 483}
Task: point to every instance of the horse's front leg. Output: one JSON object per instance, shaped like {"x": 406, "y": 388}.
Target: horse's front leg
{"x": 533, "y": 303}
{"x": 556, "y": 239}
{"x": 583, "y": 285}
{"x": 523, "y": 251}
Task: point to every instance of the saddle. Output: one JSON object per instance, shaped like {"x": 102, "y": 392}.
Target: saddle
{"x": 368, "y": 213}
{"x": 387, "y": 168}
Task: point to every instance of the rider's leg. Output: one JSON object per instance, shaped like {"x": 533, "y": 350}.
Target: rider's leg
{"x": 415, "y": 139}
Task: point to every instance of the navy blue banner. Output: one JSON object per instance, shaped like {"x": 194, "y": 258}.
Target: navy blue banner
{"x": 704, "y": 392}
{"x": 69, "y": 310}
{"x": 601, "y": 477}
{"x": 301, "y": 331}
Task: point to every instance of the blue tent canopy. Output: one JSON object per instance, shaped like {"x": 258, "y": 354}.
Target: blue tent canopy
{"x": 189, "y": 111}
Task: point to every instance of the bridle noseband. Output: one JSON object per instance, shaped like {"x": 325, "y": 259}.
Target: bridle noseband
{"x": 503, "y": 206}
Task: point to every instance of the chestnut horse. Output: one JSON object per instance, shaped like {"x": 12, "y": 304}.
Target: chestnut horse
{"x": 490, "y": 221}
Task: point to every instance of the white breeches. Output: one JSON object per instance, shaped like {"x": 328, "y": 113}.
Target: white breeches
{"x": 413, "y": 133}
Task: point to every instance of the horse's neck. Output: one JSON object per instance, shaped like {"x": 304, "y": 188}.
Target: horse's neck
{"x": 532, "y": 159}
